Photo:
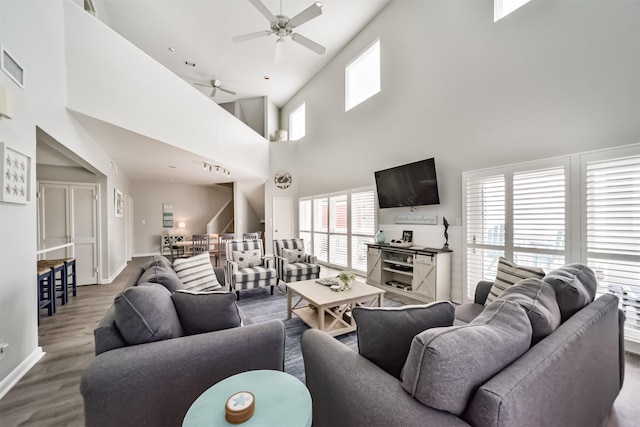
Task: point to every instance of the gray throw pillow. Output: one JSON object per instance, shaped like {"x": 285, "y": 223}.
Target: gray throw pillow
{"x": 385, "y": 333}
{"x": 575, "y": 286}
{"x": 145, "y": 313}
{"x": 539, "y": 301}
{"x": 201, "y": 312}
{"x": 509, "y": 273}
{"x": 162, "y": 274}
{"x": 445, "y": 366}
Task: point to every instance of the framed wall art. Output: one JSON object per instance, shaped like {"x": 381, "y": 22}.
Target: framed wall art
{"x": 16, "y": 176}
{"x": 167, "y": 215}
{"x": 118, "y": 203}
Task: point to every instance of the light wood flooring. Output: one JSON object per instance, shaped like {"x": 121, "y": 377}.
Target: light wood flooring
{"x": 48, "y": 395}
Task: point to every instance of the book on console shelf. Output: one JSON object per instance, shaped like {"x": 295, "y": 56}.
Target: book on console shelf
{"x": 399, "y": 285}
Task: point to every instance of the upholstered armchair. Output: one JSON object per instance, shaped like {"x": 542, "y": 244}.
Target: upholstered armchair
{"x": 292, "y": 263}
{"x": 247, "y": 267}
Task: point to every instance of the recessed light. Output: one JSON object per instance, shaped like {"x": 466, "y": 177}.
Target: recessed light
{"x": 172, "y": 49}
{"x": 172, "y": 167}
{"x": 267, "y": 77}
{"x": 171, "y": 180}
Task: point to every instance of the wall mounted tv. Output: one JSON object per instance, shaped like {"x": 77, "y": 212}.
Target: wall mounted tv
{"x": 413, "y": 184}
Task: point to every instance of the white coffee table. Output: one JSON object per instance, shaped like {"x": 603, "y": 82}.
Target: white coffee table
{"x": 332, "y": 312}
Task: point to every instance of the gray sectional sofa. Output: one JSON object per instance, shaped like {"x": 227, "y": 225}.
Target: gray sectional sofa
{"x": 153, "y": 382}
{"x": 488, "y": 368}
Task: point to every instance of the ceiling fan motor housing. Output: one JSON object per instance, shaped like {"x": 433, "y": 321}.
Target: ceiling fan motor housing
{"x": 281, "y": 26}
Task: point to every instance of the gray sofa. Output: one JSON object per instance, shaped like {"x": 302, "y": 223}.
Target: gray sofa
{"x": 569, "y": 378}
{"x": 154, "y": 383}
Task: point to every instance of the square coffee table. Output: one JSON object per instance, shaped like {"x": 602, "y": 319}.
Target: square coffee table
{"x": 332, "y": 310}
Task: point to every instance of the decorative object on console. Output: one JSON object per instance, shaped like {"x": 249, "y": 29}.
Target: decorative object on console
{"x": 283, "y": 179}
{"x": 380, "y": 237}
{"x": 16, "y": 175}
{"x": 407, "y": 236}
{"x": 445, "y": 247}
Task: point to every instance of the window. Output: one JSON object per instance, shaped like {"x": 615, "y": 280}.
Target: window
{"x": 502, "y": 8}
{"x": 362, "y": 76}
{"x": 339, "y": 226}
{"x": 11, "y": 67}
{"x": 526, "y": 213}
{"x": 297, "y": 123}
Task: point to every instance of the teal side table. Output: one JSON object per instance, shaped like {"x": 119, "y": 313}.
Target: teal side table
{"x": 281, "y": 400}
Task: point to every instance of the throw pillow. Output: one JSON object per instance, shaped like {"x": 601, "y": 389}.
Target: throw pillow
{"x": 293, "y": 255}
{"x": 246, "y": 259}
{"x": 145, "y": 314}
{"x": 445, "y": 366}
{"x": 385, "y": 333}
{"x": 164, "y": 275}
{"x": 196, "y": 273}
{"x": 575, "y": 286}
{"x": 201, "y": 312}
{"x": 539, "y": 301}
{"x": 509, "y": 273}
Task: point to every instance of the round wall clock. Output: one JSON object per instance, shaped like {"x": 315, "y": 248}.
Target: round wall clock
{"x": 282, "y": 179}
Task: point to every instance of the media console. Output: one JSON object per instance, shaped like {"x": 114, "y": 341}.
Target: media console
{"x": 423, "y": 274}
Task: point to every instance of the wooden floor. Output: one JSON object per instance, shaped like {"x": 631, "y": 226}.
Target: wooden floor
{"x": 49, "y": 394}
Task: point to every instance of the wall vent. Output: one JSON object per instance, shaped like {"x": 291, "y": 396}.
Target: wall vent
{"x": 11, "y": 67}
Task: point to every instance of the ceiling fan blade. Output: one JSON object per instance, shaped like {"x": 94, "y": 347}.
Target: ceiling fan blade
{"x": 309, "y": 44}
{"x": 202, "y": 84}
{"x": 213, "y": 92}
{"x": 250, "y": 36}
{"x": 263, "y": 10}
{"x": 279, "y": 55}
{"x": 306, "y": 15}
{"x": 227, "y": 90}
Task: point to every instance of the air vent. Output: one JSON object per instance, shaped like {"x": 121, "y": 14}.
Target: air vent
{"x": 12, "y": 68}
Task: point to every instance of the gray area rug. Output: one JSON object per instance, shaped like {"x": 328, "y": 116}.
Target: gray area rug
{"x": 259, "y": 305}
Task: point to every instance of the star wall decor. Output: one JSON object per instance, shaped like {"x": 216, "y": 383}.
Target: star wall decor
{"x": 15, "y": 174}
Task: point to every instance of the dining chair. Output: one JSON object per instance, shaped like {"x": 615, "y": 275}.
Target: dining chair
{"x": 222, "y": 244}
{"x": 200, "y": 244}
{"x": 252, "y": 236}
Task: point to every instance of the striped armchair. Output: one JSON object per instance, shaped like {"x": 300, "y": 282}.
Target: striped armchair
{"x": 292, "y": 263}
{"x": 247, "y": 267}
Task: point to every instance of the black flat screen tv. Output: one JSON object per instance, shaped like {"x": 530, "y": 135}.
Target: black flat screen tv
{"x": 413, "y": 184}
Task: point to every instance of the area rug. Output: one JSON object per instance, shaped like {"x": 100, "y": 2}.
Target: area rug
{"x": 260, "y": 306}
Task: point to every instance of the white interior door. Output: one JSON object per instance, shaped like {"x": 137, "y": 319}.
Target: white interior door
{"x": 53, "y": 219}
{"x": 84, "y": 231}
{"x": 282, "y": 218}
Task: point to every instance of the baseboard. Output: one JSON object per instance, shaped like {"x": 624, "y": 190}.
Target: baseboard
{"x": 20, "y": 371}
{"x": 632, "y": 347}
{"x": 114, "y": 275}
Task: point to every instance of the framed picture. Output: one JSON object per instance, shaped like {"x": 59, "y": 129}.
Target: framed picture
{"x": 118, "y": 203}
{"x": 167, "y": 215}
{"x": 407, "y": 235}
{"x": 16, "y": 176}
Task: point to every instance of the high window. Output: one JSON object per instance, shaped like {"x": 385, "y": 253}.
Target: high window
{"x": 581, "y": 208}
{"x": 362, "y": 76}
{"x": 502, "y": 8}
{"x": 297, "y": 124}
{"x": 338, "y": 227}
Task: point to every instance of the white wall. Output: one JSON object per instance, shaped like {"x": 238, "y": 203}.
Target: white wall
{"x": 247, "y": 220}
{"x": 195, "y": 205}
{"x": 550, "y": 79}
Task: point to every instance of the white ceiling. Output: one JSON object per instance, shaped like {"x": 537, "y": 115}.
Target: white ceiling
{"x": 201, "y": 32}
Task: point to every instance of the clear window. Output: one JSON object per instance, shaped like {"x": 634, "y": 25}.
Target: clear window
{"x": 297, "y": 123}
{"x": 502, "y": 8}
{"x": 362, "y": 76}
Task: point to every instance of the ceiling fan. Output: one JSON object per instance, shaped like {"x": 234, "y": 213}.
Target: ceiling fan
{"x": 282, "y": 26}
{"x": 216, "y": 85}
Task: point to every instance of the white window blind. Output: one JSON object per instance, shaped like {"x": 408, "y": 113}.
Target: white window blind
{"x": 363, "y": 227}
{"x": 485, "y": 226}
{"x": 539, "y": 217}
{"x": 304, "y": 222}
{"x": 613, "y": 232}
{"x": 338, "y": 218}
{"x": 321, "y": 228}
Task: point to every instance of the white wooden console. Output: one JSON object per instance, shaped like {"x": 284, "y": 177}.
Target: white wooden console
{"x": 422, "y": 274}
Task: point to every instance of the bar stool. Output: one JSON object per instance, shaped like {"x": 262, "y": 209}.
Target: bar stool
{"x": 46, "y": 291}
{"x": 70, "y": 271}
{"x": 59, "y": 281}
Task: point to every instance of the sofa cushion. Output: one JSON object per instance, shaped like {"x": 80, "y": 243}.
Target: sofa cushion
{"x": 293, "y": 255}
{"x": 201, "y": 312}
{"x": 446, "y": 365}
{"x": 465, "y": 313}
{"x": 385, "y": 333}
{"x": 250, "y": 258}
{"x": 145, "y": 313}
{"x": 163, "y": 274}
{"x": 196, "y": 273}
{"x": 158, "y": 260}
{"x": 509, "y": 273}
{"x": 575, "y": 286}
{"x": 539, "y": 301}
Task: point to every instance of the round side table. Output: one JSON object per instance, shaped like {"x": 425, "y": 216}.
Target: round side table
{"x": 280, "y": 400}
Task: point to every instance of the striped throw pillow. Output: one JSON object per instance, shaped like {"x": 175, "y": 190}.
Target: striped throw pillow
{"x": 509, "y": 273}
{"x": 196, "y": 273}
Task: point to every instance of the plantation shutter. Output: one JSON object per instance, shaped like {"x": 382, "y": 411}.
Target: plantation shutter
{"x": 539, "y": 218}
{"x": 363, "y": 227}
{"x": 338, "y": 218}
{"x": 321, "y": 228}
{"x": 485, "y": 228}
{"x": 304, "y": 222}
{"x": 613, "y": 232}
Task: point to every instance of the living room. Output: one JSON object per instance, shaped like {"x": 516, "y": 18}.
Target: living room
{"x": 556, "y": 78}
